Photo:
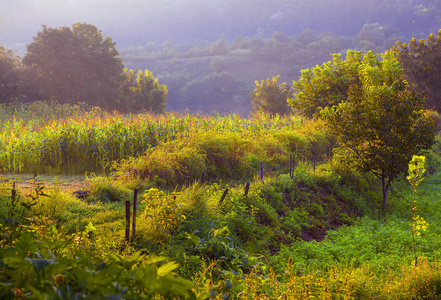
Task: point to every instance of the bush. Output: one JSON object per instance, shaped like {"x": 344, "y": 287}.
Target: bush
{"x": 224, "y": 154}
{"x": 162, "y": 215}
{"x": 106, "y": 189}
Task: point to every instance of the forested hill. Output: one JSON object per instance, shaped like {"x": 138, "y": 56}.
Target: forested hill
{"x": 210, "y": 74}
{"x": 210, "y": 53}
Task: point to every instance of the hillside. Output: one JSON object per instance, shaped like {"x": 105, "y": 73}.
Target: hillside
{"x": 314, "y": 228}
{"x": 217, "y": 77}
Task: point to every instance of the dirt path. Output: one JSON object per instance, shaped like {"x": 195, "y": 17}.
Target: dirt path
{"x": 27, "y": 181}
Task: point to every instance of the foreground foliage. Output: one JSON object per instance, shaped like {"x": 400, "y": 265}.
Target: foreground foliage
{"x": 244, "y": 248}
{"x": 317, "y": 233}
{"x": 40, "y": 261}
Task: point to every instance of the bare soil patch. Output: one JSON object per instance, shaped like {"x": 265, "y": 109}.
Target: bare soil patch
{"x": 27, "y": 182}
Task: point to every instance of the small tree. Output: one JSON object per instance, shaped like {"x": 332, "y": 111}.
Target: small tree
{"x": 271, "y": 97}
{"x": 143, "y": 92}
{"x": 416, "y": 171}
{"x": 382, "y": 122}
{"x": 326, "y": 85}
{"x": 216, "y": 92}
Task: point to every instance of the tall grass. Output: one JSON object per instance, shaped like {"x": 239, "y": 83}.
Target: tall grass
{"x": 228, "y": 148}
{"x": 58, "y": 139}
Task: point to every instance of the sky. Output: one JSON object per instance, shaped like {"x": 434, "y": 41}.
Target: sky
{"x": 22, "y": 19}
{"x": 126, "y": 21}
{"x": 138, "y": 22}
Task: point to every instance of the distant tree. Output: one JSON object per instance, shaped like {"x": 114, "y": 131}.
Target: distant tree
{"x": 421, "y": 62}
{"x": 365, "y": 45}
{"x": 306, "y": 37}
{"x": 143, "y": 92}
{"x": 257, "y": 44}
{"x": 271, "y": 97}
{"x": 375, "y": 36}
{"x": 218, "y": 64}
{"x": 219, "y": 47}
{"x": 326, "y": 85}
{"x": 175, "y": 82}
{"x": 324, "y": 45}
{"x": 75, "y": 65}
{"x": 10, "y": 76}
{"x": 382, "y": 123}
{"x": 241, "y": 42}
{"x": 281, "y": 37}
{"x": 372, "y": 33}
{"x": 216, "y": 92}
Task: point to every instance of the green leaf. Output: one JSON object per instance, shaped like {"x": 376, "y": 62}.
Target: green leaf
{"x": 167, "y": 268}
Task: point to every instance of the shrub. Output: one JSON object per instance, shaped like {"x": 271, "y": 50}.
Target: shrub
{"x": 107, "y": 189}
{"x": 161, "y": 216}
{"x": 224, "y": 154}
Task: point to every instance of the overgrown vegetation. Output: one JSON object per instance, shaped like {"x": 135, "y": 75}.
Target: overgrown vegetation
{"x": 90, "y": 140}
{"x": 317, "y": 232}
{"x": 229, "y": 207}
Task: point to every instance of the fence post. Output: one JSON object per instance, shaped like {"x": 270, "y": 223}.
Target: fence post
{"x": 135, "y": 203}
{"x": 261, "y": 171}
{"x": 247, "y": 188}
{"x": 313, "y": 163}
{"x": 290, "y": 166}
{"x": 202, "y": 177}
{"x": 223, "y": 196}
{"x": 127, "y": 236}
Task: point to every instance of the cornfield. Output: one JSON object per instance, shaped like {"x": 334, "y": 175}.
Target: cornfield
{"x": 62, "y": 139}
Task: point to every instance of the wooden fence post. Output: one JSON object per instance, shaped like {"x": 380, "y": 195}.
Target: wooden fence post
{"x": 223, "y": 196}
{"x": 261, "y": 171}
{"x": 247, "y": 188}
{"x": 135, "y": 203}
{"x": 202, "y": 177}
{"x": 290, "y": 166}
{"x": 313, "y": 164}
{"x": 293, "y": 165}
{"x": 127, "y": 236}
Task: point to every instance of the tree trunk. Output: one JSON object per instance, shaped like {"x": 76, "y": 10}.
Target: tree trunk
{"x": 386, "y": 185}
{"x": 384, "y": 198}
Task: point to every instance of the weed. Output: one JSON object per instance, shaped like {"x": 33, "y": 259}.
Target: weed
{"x": 416, "y": 171}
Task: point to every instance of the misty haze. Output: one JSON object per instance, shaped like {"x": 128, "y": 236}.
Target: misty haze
{"x": 209, "y": 53}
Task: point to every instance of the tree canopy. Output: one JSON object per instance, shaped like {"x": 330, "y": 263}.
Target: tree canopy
{"x": 71, "y": 65}
{"x": 271, "y": 97}
{"x": 75, "y": 65}
{"x": 143, "y": 92}
{"x": 326, "y": 85}
{"x": 421, "y": 62}
{"x": 380, "y": 121}
{"x": 10, "y": 75}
